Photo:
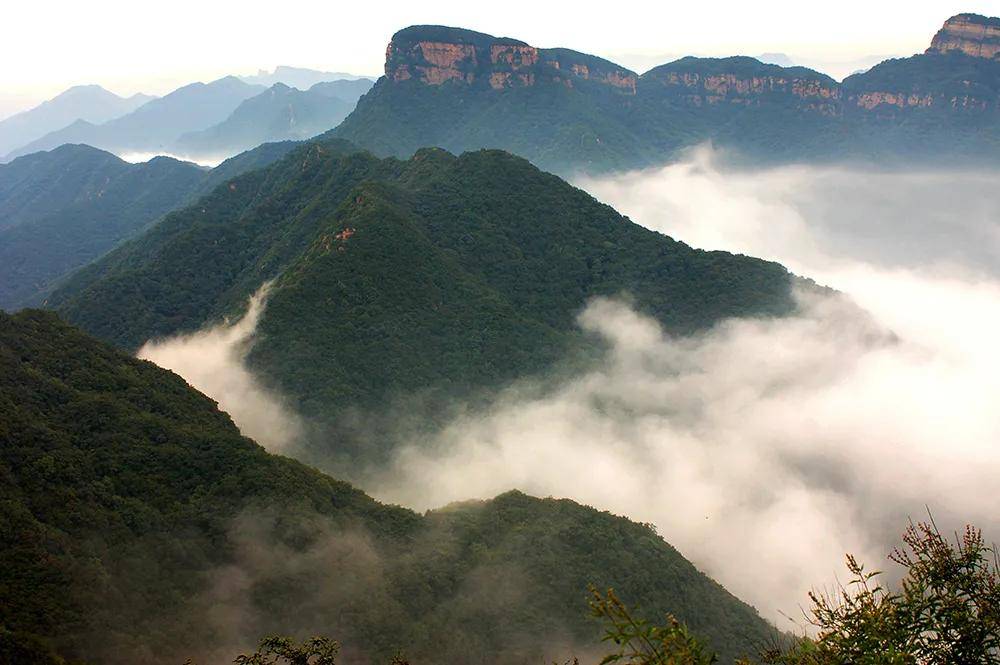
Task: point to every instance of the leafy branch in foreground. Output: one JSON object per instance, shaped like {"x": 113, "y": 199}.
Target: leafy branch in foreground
{"x": 947, "y": 609}
{"x": 642, "y": 643}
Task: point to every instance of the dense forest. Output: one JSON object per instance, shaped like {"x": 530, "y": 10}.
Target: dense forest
{"x": 438, "y": 276}
{"x": 138, "y": 525}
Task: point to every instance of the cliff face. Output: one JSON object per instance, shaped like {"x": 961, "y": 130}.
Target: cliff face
{"x": 435, "y": 55}
{"x": 740, "y": 81}
{"x": 971, "y": 34}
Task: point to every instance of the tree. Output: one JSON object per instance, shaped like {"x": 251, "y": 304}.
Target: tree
{"x": 947, "y": 609}
{"x": 642, "y": 643}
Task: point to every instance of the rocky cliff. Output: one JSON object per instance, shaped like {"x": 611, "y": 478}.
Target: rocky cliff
{"x": 435, "y": 55}
{"x": 971, "y": 34}
{"x": 742, "y": 81}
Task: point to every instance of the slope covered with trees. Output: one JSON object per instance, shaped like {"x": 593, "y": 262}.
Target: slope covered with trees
{"x": 62, "y": 209}
{"x": 437, "y": 276}
{"x": 138, "y": 525}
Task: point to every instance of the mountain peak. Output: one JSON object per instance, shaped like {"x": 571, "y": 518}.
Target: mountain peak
{"x": 435, "y": 55}
{"x": 971, "y": 34}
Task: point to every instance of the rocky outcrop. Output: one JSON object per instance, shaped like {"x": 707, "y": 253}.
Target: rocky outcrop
{"x": 971, "y": 34}
{"x": 741, "y": 81}
{"x": 435, "y": 55}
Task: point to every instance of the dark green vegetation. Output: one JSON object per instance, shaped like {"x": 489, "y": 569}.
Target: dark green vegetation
{"x": 945, "y": 610}
{"x": 567, "y": 111}
{"x": 431, "y": 277}
{"x": 278, "y": 114}
{"x": 137, "y": 525}
{"x": 62, "y": 209}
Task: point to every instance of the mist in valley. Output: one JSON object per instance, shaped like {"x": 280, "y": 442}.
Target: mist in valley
{"x": 764, "y": 450}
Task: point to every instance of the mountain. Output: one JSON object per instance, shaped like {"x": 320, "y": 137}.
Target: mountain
{"x": 90, "y": 103}
{"x": 296, "y": 77}
{"x": 481, "y": 262}
{"x": 155, "y": 126}
{"x": 278, "y": 114}
{"x": 567, "y": 111}
{"x": 138, "y": 525}
{"x": 463, "y": 90}
{"x": 62, "y": 209}
{"x": 971, "y": 34}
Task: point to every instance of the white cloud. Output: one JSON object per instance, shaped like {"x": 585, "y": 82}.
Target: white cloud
{"x": 213, "y": 361}
{"x": 766, "y": 449}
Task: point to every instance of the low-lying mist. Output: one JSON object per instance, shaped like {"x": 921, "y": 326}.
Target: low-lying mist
{"x": 212, "y": 361}
{"x": 764, "y": 450}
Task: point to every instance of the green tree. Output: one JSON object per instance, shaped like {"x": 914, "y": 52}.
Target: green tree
{"x": 946, "y": 610}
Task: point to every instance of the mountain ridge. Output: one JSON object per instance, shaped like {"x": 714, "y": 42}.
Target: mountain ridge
{"x": 140, "y": 526}
{"x": 463, "y": 90}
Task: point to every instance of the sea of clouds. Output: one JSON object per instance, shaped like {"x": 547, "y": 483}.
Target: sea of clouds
{"x": 764, "y": 450}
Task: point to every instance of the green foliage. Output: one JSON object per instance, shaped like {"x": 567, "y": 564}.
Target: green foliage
{"x": 282, "y": 650}
{"x": 62, "y": 209}
{"x": 947, "y": 609}
{"x": 639, "y": 642}
{"x": 138, "y": 525}
{"x": 437, "y": 277}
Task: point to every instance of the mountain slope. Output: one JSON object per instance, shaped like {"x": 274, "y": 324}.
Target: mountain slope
{"x": 137, "y": 525}
{"x": 62, "y": 209}
{"x": 481, "y": 262}
{"x": 90, "y": 103}
{"x": 567, "y": 111}
{"x": 278, "y": 114}
{"x": 154, "y": 126}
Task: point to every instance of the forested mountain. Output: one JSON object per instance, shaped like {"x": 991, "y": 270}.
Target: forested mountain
{"x": 62, "y": 209}
{"x": 90, "y": 103}
{"x": 567, "y": 111}
{"x": 278, "y": 114}
{"x": 137, "y": 525}
{"x": 59, "y": 210}
{"x": 155, "y": 126}
{"x": 437, "y": 275}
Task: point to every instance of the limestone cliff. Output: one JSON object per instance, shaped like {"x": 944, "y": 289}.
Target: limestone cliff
{"x": 971, "y": 34}
{"x": 435, "y": 55}
{"x": 742, "y": 81}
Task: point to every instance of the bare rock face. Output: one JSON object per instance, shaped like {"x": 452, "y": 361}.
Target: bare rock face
{"x": 435, "y": 55}
{"x": 740, "y": 81}
{"x": 971, "y": 34}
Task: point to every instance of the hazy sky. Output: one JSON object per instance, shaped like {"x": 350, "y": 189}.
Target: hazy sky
{"x": 128, "y": 46}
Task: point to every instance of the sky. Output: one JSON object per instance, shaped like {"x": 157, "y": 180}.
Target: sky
{"x": 127, "y": 46}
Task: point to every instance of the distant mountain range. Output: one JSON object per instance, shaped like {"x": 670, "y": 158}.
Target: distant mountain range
{"x": 569, "y": 111}
{"x": 62, "y": 209}
{"x": 89, "y": 103}
{"x": 278, "y": 114}
{"x": 297, "y": 77}
{"x": 140, "y": 527}
{"x": 197, "y": 121}
{"x": 481, "y": 262}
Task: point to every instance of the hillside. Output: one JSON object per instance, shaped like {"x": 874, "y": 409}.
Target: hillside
{"x": 62, "y": 209}
{"x": 480, "y": 262}
{"x": 59, "y": 210}
{"x": 137, "y": 525}
{"x": 278, "y": 114}
{"x": 567, "y": 111}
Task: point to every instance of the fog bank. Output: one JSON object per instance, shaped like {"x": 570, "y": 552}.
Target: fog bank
{"x": 766, "y": 450}
{"x": 213, "y": 362}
